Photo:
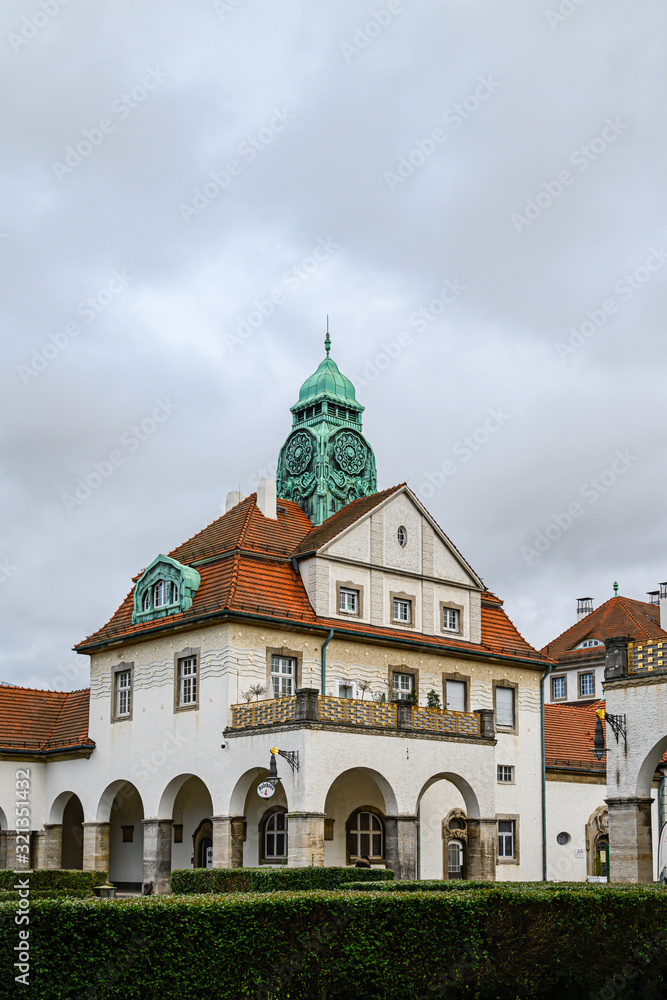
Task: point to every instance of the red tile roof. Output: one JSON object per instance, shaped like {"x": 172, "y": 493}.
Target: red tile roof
{"x": 43, "y": 721}
{"x": 617, "y": 616}
{"x": 568, "y": 737}
{"x": 246, "y": 568}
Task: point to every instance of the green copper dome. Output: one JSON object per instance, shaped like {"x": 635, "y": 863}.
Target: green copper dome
{"x": 328, "y": 381}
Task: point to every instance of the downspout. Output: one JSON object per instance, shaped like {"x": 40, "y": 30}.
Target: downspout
{"x": 544, "y": 777}
{"x": 324, "y": 661}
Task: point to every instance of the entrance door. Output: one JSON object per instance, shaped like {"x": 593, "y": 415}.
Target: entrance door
{"x": 455, "y": 867}
{"x": 205, "y": 853}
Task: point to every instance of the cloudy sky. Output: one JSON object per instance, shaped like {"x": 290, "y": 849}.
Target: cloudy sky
{"x": 473, "y": 190}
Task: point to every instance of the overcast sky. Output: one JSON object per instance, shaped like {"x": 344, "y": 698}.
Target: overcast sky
{"x": 484, "y": 183}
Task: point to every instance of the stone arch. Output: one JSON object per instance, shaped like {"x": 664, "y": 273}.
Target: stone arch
{"x": 384, "y": 786}
{"x": 353, "y": 790}
{"x": 3, "y": 820}
{"x": 58, "y": 807}
{"x": 121, "y": 812}
{"x": 472, "y": 809}
{"x": 120, "y": 789}
{"x": 65, "y": 836}
{"x": 239, "y": 796}
{"x": 647, "y": 770}
{"x": 247, "y": 811}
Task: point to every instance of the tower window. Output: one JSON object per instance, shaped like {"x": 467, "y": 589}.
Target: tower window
{"x": 402, "y": 537}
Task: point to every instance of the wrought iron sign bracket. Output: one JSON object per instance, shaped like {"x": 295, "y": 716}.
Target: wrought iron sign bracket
{"x": 618, "y": 724}
{"x": 291, "y": 756}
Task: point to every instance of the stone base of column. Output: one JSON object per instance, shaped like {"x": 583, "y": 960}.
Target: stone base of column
{"x": 38, "y": 849}
{"x": 630, "y": 846}
{"x": 96, "y": 847}
{"x": 9, "y": 852}
{"x": 53, "y": 845}
{"x": 481, "y": 860}
{"x": 400, "y": 845}
{"x": 157, "y": 855}
{"x": 228, "y": 841}
{"x": 305, "y": 840}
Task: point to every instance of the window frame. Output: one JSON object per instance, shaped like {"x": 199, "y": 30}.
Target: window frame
{"x": 505, "y": 781}
{"x": 580, "y": 676}
{"x": 121, "y": 668}
{"x": 515, "y": 687}
{"x": 278, "y": 677}
{"x": 285, "y": 653}
{"x": 402, "y": 536}
{"x": 401, "y": 668}
{"x": 558, "y": 677}
{"x": 462, "y": 678}
{"x": 266, "y": 818}
{"x": 355, "y": 814}
{"x": 508, "y": 818}
{"x": 446, "y": 606}
{"x": 189, "y": 653}
{"x": 408, "y": 599}
{"x": 348, "y": 585}
{"x": 346, "y": 683}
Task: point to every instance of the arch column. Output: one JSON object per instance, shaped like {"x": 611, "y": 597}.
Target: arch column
{"x": 96, "y": 847}
{"x": 305, "y": 839}
{"x": 157, "y": 854}
{"x": 8, "y": 850}
{"x": 228, "y": 841}
{"x": 400, "y": 845}
{"x": 53, "y": 845}
{"x": 630, "y": 845}
{"x": 482, "y": 850}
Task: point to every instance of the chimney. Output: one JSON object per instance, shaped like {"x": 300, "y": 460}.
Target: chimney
{"x": 654, "y": 598}
{"x": 584, "y": 606}
{"x": 233, "y": 499}
{"x": 267, "y": 498}
{"x": 663, "y": 606}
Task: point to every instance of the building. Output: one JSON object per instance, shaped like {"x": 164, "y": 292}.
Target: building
{"x": 333, "y": 623}
{"x": 580, "y": 651}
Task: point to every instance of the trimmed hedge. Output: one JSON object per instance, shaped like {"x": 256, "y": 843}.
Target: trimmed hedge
{"x": 60, "y": 879}
{"x": 216, "y": 880}
{"x": 499, "y": 942}
{"x": 461, "y": 885}
{"x": 6, "y": 894}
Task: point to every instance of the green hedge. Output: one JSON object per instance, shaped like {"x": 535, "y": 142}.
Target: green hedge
{"x": 461, "y": 885}
{"x": 500, "y": 942}
{"x": 215, "y": 880}
{"x": 6, "y": 894}
{"x": 53, "y": 879}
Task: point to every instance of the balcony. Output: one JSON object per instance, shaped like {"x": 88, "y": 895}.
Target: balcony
{"x": 309, "y": 706}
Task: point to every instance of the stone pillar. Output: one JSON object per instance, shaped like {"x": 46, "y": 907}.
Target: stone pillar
{"x": 630, "y": 848}
{"x": 157, "y": 855}
{"x": 228, "y": 841}
{"x": 38, "y": 849}
{"x": 400, "y": 845}
{"x": 307, "y": 708}
{"x": 96, "y": 847}
{"x": 53, "y": 846}
{"x": 616, "y": 657}
{"x": 9, "y": 854}
{"x": 404, "y": 714}
{"x": 482, "y": 845}
{"x": 487, "y": 723}
{"x": 3, "y": 849}
{"x": 305, "y": 839}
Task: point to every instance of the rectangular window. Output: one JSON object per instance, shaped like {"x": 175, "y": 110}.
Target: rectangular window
{"x": 558, "y": 688}
{"x": 586, "y": 685}
{"x": 505, "y": 773}
{"x": 345, "y": 689}
{"x": 505, "y": 838}
{"x": 451, "y": 620}
{"x": 349, "y": 601}
{"x": 123, "y": 693}
{"x": 403, "y": 685}
{"x": 505, "y": 707}
{"x": 283, "y": 672}
{"x": 187, "y": 670}
{"x": 456, "y": 696}
{"x": 402, "y": 610}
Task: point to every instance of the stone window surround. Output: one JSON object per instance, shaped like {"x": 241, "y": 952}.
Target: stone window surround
{"x": 507, "y": 729}
{"x": 119, "y": 669}
{"x": 579, "y": 676}
{"x": 454, "y": 607}
{"x": 401, "y": 596}
{"x": 348, "y": 822}
{"x": 452, "y": 834}
{"x": 349, "y": 585}
{"x": 456, "y": 676}
{"x": 185, "y": 654}
{"x": 555, "y": 677}
{"x": 503, "y": 781}
{"x": 401, "y": 668}
{"x": 294, "y": 654}
{"x": 516, "y": 859}
{"x": 266, "y": 816}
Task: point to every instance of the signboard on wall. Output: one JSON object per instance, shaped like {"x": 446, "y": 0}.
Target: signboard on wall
{"x": 265, "y": 789}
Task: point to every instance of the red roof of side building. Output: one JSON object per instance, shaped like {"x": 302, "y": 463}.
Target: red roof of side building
{"x": 568, "y": 737}
{"x": 617, "y": 616}
{"x": 246, "y": 568}
{"x": 43, "y": 721}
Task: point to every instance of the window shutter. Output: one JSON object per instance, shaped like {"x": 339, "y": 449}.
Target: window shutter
{"x": 505, "y": 707}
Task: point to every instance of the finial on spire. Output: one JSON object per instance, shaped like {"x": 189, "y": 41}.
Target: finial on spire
{"x": 615, "y": 590}
{"x": 327, "y": 342}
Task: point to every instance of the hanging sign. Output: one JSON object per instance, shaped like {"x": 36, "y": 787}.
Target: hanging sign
{"x": 265, "y": 789}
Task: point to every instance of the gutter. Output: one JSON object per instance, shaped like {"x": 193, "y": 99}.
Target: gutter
{"x": 544, "y": 775}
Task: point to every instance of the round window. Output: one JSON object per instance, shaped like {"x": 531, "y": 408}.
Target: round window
{"x": 402, "y": 536}
{"x": 563, "y": 839}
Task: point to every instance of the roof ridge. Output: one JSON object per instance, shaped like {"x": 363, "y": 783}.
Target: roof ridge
{"x": 234, "y": 581}
{"x": 246, "y": 524}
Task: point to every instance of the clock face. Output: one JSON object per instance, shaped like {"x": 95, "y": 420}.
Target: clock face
{"x": 299, "y": 452}
{"x": 351, "y": 452}
{"x": 265, "y": 789}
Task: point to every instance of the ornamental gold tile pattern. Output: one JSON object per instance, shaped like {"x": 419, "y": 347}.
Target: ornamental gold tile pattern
{"x": 645, "y": 656}
{"x": 439, "y": 720}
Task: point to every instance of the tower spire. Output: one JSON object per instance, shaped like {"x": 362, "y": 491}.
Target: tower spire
{"x": 327, "y": 341}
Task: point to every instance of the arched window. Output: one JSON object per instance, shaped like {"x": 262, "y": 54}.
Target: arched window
{"x": 162, "y": 592}
{"x": 365, "y": 835}
{"x": 147, "y": 601}
{"x": 273, "y": 837}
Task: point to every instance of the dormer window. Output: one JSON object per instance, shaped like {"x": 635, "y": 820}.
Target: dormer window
{"x": 167, "y": 587}
{"x": 165, "y": 592}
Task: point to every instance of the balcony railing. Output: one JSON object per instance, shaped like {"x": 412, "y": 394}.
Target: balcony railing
{"x": 646, "y": 656}
{"x": 357, "y": 712}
